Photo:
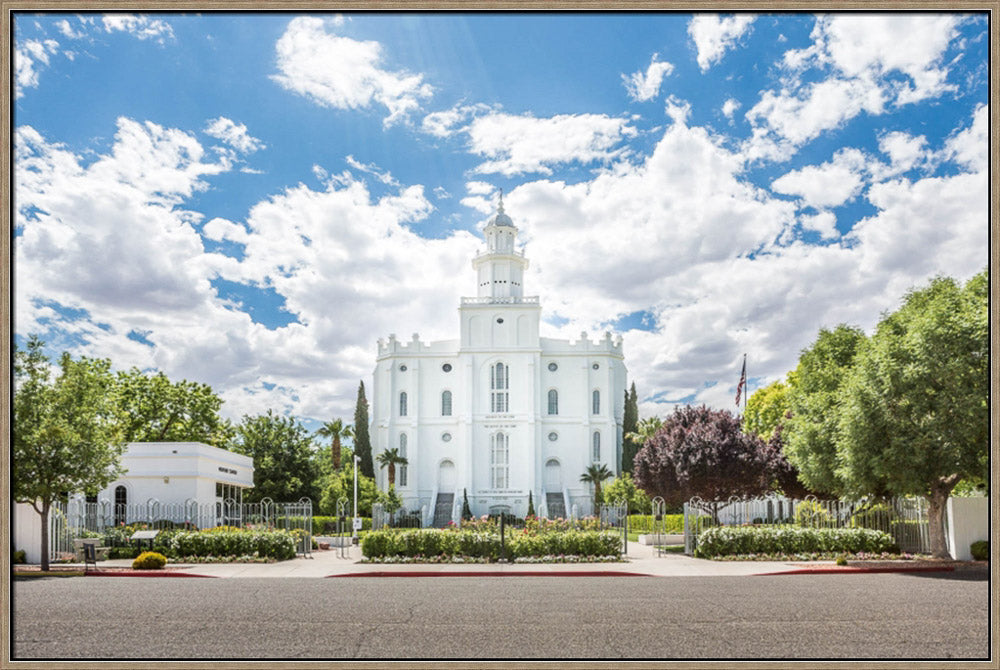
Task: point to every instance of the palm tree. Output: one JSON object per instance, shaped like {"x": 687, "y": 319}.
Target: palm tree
{"x": 388, "y": 459}
{"x": 335, "y": 430}
{"x": 646, "y": 429}
{"x": 595, "y": 474}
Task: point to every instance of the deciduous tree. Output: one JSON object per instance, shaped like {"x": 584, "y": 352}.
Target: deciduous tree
{"x": 766, "y": 410}
{"x": 283, "y": 455}
{"x": 814, "y": 402}
{"x": 154, "y": 409}
{"x": 65, "y": 438}
{"x": 703, "y": 452}
{"x": 914, "y": 413}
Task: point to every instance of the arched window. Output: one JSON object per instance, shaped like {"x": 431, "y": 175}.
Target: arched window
{"x": 121, "y": 502}
{"x": 597, "y": 447}
{"x": 401, "y": 469}
{"x": 402, "y": 403}
{"x": 446, "y": 403}
{"x": 499, "y": 469}
{"x": 499, "y": 385}
{"x": 553, "y": 401}
{"x": 597, "y": 402}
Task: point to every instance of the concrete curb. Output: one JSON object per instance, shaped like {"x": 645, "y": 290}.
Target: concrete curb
{"x": 846, "y": 570}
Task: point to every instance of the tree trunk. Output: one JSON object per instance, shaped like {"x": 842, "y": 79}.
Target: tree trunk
{"x": 937, "y": 504}
{"x": 336, "y": 453}
{"x": 45, "y": 537}
{"x": 392, "y": 474}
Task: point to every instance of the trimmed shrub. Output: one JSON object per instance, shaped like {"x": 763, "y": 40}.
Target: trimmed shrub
{"x": 277, "y": 544}
{"x": 486, "y": 545}
{"x": 738, "y": 540}
{"x": 149, "y": 560}
{"x": 327, "y": 525}
{"x": 19, "y": 556}
{"x": 811, "y": 513}
{"x": 645, "y": 523}
{"x": 980, "y": 550}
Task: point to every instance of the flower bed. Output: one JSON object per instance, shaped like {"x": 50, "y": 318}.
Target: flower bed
{"x": 221, "y": 543}
{"x": 745, "y": 540}
{"x": 482, "y": 543}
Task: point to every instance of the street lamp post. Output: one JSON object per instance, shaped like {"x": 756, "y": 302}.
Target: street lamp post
{"x": 354, "y": 524}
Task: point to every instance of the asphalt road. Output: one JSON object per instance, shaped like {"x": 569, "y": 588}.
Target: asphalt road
{"x": 861, "y": 616}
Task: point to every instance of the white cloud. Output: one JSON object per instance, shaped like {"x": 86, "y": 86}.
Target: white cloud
{"x": 871, "y": 62}
{"x": 30, "y": 58}
{"x": 824, "y": 223}
{"x": 479, "y": 187}
{"x": 110, "y": 236}
{"x": 452, "y": 121}
{"x": 713, "y": 35}
{"x": 519, "y": 144}
{"x": 968, "y": 147}
{"x": 138, "y": 25}
{"x": 234, "y": 134}
{"x": 729, "y": 108}
{"x": 646, "y": 85}
{"x": 828, "y": 185}
{"x": 383, "y": 176}
{"x": 342, "y": 73}
{"x": 67, "y": 29}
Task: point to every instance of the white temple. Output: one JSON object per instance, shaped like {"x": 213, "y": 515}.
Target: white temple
{"x": 499, "y": 412}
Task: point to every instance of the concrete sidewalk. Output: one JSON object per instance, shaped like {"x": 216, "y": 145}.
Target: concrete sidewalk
{"x": 641, "y": 560}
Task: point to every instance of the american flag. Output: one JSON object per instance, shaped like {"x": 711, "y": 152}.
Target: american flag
{"x": 743, "y": 381}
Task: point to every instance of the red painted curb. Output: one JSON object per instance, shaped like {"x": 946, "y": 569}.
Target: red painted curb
{"x": 144, "y": 573}
{"x": 851, "y": 570}
{"x": 484, "y": 573}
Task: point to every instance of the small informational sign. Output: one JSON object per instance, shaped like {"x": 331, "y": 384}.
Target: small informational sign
{"x": 357, "y": 524}
{"x": 144, "y": 534}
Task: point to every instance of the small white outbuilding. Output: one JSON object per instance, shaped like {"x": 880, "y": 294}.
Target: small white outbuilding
{"x": 177, "y": 472}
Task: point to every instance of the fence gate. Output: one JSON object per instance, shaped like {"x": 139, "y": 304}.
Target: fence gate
{"x": 614, "y": 516}
{"x": 659, "y": 524}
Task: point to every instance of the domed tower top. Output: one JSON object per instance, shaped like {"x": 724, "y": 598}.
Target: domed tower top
{"x": 501, "y": 218}
{"x": 500, "y": 232}
{"x": 501, "y": 267}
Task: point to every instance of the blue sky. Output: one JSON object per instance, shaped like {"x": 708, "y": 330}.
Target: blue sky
{"x": 252, "y": 200}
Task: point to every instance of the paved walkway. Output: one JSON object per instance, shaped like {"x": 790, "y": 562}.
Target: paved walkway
{"x": 642, "y": 561}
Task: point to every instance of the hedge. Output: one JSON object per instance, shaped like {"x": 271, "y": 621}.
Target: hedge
{"x": 320, "y": 527}
{"x": 739, "y": 540}
{"x": 646, "y": 523}
{"x": 279, "y": 544}
{"x": 475, "y": 544}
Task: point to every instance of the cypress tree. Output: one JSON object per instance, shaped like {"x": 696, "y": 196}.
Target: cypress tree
{"x": 531, "y": 505}
{"x": 362, "y": 443}
{"x": 466, "y": 510}
{"x": 630, "y": 424}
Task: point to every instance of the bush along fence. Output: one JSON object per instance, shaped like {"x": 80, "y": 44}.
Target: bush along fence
{"x": 751, "y": 540}
{"x": 903, "y": 521}
{"x": 220, "y": 543}
{"x": 115, "y": 524}
{"x": 487, "y": 539}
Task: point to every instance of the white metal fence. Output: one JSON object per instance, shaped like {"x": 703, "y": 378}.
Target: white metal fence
{"x": 905, "y": 519}
{"x": 66, "y": 520}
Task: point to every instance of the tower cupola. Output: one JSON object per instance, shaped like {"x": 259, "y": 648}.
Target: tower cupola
{"x": 500, "y": 269}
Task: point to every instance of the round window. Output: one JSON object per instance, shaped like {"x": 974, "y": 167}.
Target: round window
{"x": 500, "y": 320}
{"x": 446, "y": 367}
{"x": 553, "y": 436}
{"x": 446, "y": 437}
{"x": 402, "y": 368}
{"x": 553, "y": 367}
{"x": 595, "y": 366}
